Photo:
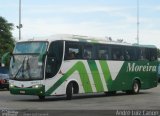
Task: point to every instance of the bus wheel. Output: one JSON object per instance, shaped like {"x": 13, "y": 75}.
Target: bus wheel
{"x": 135, "y": 87}
{"x": 69, "y": 91}
{"x": 41, "y": 97}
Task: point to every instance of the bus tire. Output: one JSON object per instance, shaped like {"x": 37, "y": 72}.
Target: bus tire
{"x": 69, "y": 91}
{"x": 135, "y": 87}
{"x": 41, "y": 97}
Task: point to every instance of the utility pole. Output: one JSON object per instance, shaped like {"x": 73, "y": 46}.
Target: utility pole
{"x": 20, "y": 25}
{"x": 138, "y": 22}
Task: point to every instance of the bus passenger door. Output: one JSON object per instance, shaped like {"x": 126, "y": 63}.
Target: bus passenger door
{"x": 54, "y": 58}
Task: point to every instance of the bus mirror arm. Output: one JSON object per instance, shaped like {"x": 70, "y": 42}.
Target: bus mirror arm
{"x": 44, "y": 56}
{"x": 46, "y": 53}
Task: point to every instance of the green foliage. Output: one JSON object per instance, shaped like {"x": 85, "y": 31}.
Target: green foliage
{"x": 6, "y": 38}
{"x": 158, "y": 53}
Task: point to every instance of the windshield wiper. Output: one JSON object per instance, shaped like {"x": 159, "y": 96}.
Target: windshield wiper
{"x": 28, "y": 68}
{"x": 22, "y": 65}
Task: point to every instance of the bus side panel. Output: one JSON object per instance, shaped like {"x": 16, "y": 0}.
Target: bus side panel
{"x": 71, "y": 70}
{"x": 145, "y": 72}
{"x": 118, "y": 75}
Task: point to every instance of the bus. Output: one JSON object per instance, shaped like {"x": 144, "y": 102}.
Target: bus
{"x": 73, "y": 64}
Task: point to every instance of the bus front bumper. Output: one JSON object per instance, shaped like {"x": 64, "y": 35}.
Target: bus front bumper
{"x": 27, "y": 91}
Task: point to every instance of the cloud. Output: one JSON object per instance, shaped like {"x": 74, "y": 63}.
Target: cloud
{"x": 122, "y": 23}
{"x": 42, "y": 29}
{"x": 46, "y": 28}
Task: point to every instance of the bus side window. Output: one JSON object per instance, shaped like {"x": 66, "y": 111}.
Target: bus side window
{"x": 142, "y": 54}
{"x": 151, "y": 54}
{"x": 129, "y": 53}
{"x": 72, "y": 51}
{"x": 102, "y": 53}
{"x": 117, "y": 53}
{"x": 87, "y": 52}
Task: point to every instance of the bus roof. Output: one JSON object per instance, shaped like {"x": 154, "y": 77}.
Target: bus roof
{"x": 69, "y": 37}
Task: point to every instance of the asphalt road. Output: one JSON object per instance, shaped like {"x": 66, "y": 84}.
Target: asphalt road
{"x": 147, "y": 99}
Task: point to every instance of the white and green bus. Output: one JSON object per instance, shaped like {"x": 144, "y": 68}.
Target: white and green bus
{"x": 72, "y": 64}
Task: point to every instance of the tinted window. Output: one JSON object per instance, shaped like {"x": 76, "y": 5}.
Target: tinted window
{"x": 151, "y": 54}
{"x": 87, "y": 52}
{"x": 117, "y": 53}
{"x": 72, "y": 50}
{"x": 102, "y": 52}
{"x": 141, "y": 54}
{"x": 129, "y": 53}
{"x": 30, "y": 47}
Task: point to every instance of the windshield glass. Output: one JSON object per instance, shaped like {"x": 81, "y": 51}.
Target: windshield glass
{"x": 25, "y": 64}
{"x": 30, "y": 47}
{"x": 25, "y": 67}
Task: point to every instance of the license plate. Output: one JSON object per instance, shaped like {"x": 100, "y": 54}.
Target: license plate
{"x": 22, "y": 92}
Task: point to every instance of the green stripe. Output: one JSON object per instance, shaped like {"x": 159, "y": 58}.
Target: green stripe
{"x": 28, "y": 91}
{"x": 79, "y": 66}
{"x": 106, "y": 72}
{"x": 96, "y": 76}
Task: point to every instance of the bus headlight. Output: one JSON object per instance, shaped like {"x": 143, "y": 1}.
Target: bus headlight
{"x": 11, "y": 86}
{"x": 37, "y": 86}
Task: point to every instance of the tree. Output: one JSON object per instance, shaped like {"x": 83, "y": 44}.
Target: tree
{"x": 6, "y": 38}
{"x": 158, "y": 53}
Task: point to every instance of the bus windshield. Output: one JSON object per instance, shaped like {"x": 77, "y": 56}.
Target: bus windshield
{"x": 24, "y": 63}
{"x": 30, "y": 47}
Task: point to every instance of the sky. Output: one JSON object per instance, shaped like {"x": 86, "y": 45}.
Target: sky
{"x": 99, "y": 18}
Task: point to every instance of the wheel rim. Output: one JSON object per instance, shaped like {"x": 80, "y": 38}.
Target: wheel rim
{"x": 136, "y": 87}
